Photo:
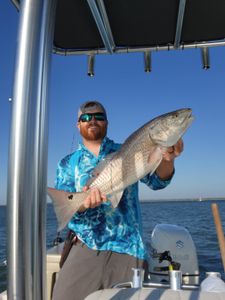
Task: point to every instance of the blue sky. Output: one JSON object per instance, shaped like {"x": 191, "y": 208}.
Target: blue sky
{"x": 131, "y": 97}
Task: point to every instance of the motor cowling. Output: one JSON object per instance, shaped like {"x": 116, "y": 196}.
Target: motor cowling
{"x": 172, "y": 247}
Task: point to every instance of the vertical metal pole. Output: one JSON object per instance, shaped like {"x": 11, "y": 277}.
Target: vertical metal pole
{"x": 21, "y": 157}
{"x": 28, "y": 153}
{"x": 41, "y": 152}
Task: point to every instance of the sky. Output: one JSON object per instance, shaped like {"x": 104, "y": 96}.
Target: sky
{"x": 131, "y": 97}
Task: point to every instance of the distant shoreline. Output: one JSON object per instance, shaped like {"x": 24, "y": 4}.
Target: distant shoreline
{"x": 204, "y": 199}
{"x": 185, "y": 199}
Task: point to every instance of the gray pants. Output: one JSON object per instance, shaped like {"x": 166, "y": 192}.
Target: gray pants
{"x": 86, "y": 271}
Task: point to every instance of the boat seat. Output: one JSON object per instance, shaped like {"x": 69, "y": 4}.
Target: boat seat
{"x": 52, "y": 268}
{"x": 3, "y": 295}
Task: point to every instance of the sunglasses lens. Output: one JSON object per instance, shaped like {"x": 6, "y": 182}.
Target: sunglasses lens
{"x": 88, "y": 117}
{"x": 85, "y": 118}
{"x": 100, "y": 117}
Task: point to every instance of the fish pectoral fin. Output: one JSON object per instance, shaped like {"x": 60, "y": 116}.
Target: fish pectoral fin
{"x": 154, "y": 159}
{"x": 115, "y": 198}
{"x": 65, "y": 204}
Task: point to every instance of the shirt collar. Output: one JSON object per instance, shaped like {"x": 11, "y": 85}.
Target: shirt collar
{"x": 104, "y": 148}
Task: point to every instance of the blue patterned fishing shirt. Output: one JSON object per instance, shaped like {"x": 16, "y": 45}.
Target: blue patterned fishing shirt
{"x": 104, "y": 227}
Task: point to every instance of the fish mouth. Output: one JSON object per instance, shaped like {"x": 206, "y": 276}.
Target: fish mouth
{"x": 189, "y": 118}
{"x": 187, "y": 121}
{"x": 186, "y": 115}
{"x": 189, "y": 112}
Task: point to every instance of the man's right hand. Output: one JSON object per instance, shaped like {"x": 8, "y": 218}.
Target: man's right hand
{"x": 94, "y": 199}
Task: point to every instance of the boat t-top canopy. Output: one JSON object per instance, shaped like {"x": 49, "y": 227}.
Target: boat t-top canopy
{"x": 112, "y": 26}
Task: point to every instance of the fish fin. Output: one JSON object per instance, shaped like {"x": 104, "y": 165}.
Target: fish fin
{"x": 100, "y": 166}
{"x": 66, "y": 204}
{"x": 155, "y": 158}
{"x": 115, "y": 198}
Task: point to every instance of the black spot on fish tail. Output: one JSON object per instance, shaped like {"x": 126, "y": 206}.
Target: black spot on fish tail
{"x": 70, "y": 197}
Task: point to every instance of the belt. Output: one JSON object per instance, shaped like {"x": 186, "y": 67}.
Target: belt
{"x": 76, "y": 241}
{"x": 73, "y": 239}
{"x": 70, "y": 241}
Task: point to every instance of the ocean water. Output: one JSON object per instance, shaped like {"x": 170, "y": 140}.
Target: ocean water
{"x": 195, "y": 216}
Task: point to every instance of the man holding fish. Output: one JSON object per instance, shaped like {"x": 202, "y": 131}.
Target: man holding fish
{"x": 97, "y": 195}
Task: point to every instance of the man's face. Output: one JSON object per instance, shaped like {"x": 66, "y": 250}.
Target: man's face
{"x": 93, "y": 130}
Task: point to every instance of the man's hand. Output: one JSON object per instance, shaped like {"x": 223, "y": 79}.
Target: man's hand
{"x": 94, "y": 199}
{"x": 166, "y": 168}
{"x": 174, "y": 151}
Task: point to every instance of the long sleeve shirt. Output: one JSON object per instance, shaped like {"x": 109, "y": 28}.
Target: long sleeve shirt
{"x": 104, "y": 227}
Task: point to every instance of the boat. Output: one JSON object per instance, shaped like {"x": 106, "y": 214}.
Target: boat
{"x": 78, "y": 27}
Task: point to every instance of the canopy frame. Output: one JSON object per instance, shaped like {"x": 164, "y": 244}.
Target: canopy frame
{"x": 180, "y": 20}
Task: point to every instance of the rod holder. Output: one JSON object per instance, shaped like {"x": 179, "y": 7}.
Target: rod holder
{"x": 175, "y": 280}
{"x": 137, "y": 277}
{"x": 91, "y": 64}
{"x": 147, "y": 61}
{"x": 205, "y": 58}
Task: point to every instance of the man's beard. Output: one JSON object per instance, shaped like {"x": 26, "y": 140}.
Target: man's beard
{"x": 93, "y": 135}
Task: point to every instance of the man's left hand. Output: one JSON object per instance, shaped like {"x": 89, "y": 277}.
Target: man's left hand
{"x": 174, "y": 151}
{"x": 166, "y": 168}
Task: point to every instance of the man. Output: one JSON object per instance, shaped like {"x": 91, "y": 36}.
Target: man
{"x": 109, "y": 240}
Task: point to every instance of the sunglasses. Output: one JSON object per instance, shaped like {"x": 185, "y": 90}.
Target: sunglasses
{"x": 88, "y": 117}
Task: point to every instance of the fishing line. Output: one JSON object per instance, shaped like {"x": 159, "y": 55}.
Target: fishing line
{"x": 72, "y": 148}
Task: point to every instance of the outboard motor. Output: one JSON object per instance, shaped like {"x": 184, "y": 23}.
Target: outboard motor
{"x": 172, "y": 248}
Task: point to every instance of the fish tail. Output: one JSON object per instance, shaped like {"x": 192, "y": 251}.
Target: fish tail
{"x": 65, "y": 205}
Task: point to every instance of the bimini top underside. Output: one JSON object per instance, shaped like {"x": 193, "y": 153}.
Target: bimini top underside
{"x": 108, "y": 26}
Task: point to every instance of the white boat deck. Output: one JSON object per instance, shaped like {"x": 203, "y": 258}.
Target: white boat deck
{"x": 154, "y": 294}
